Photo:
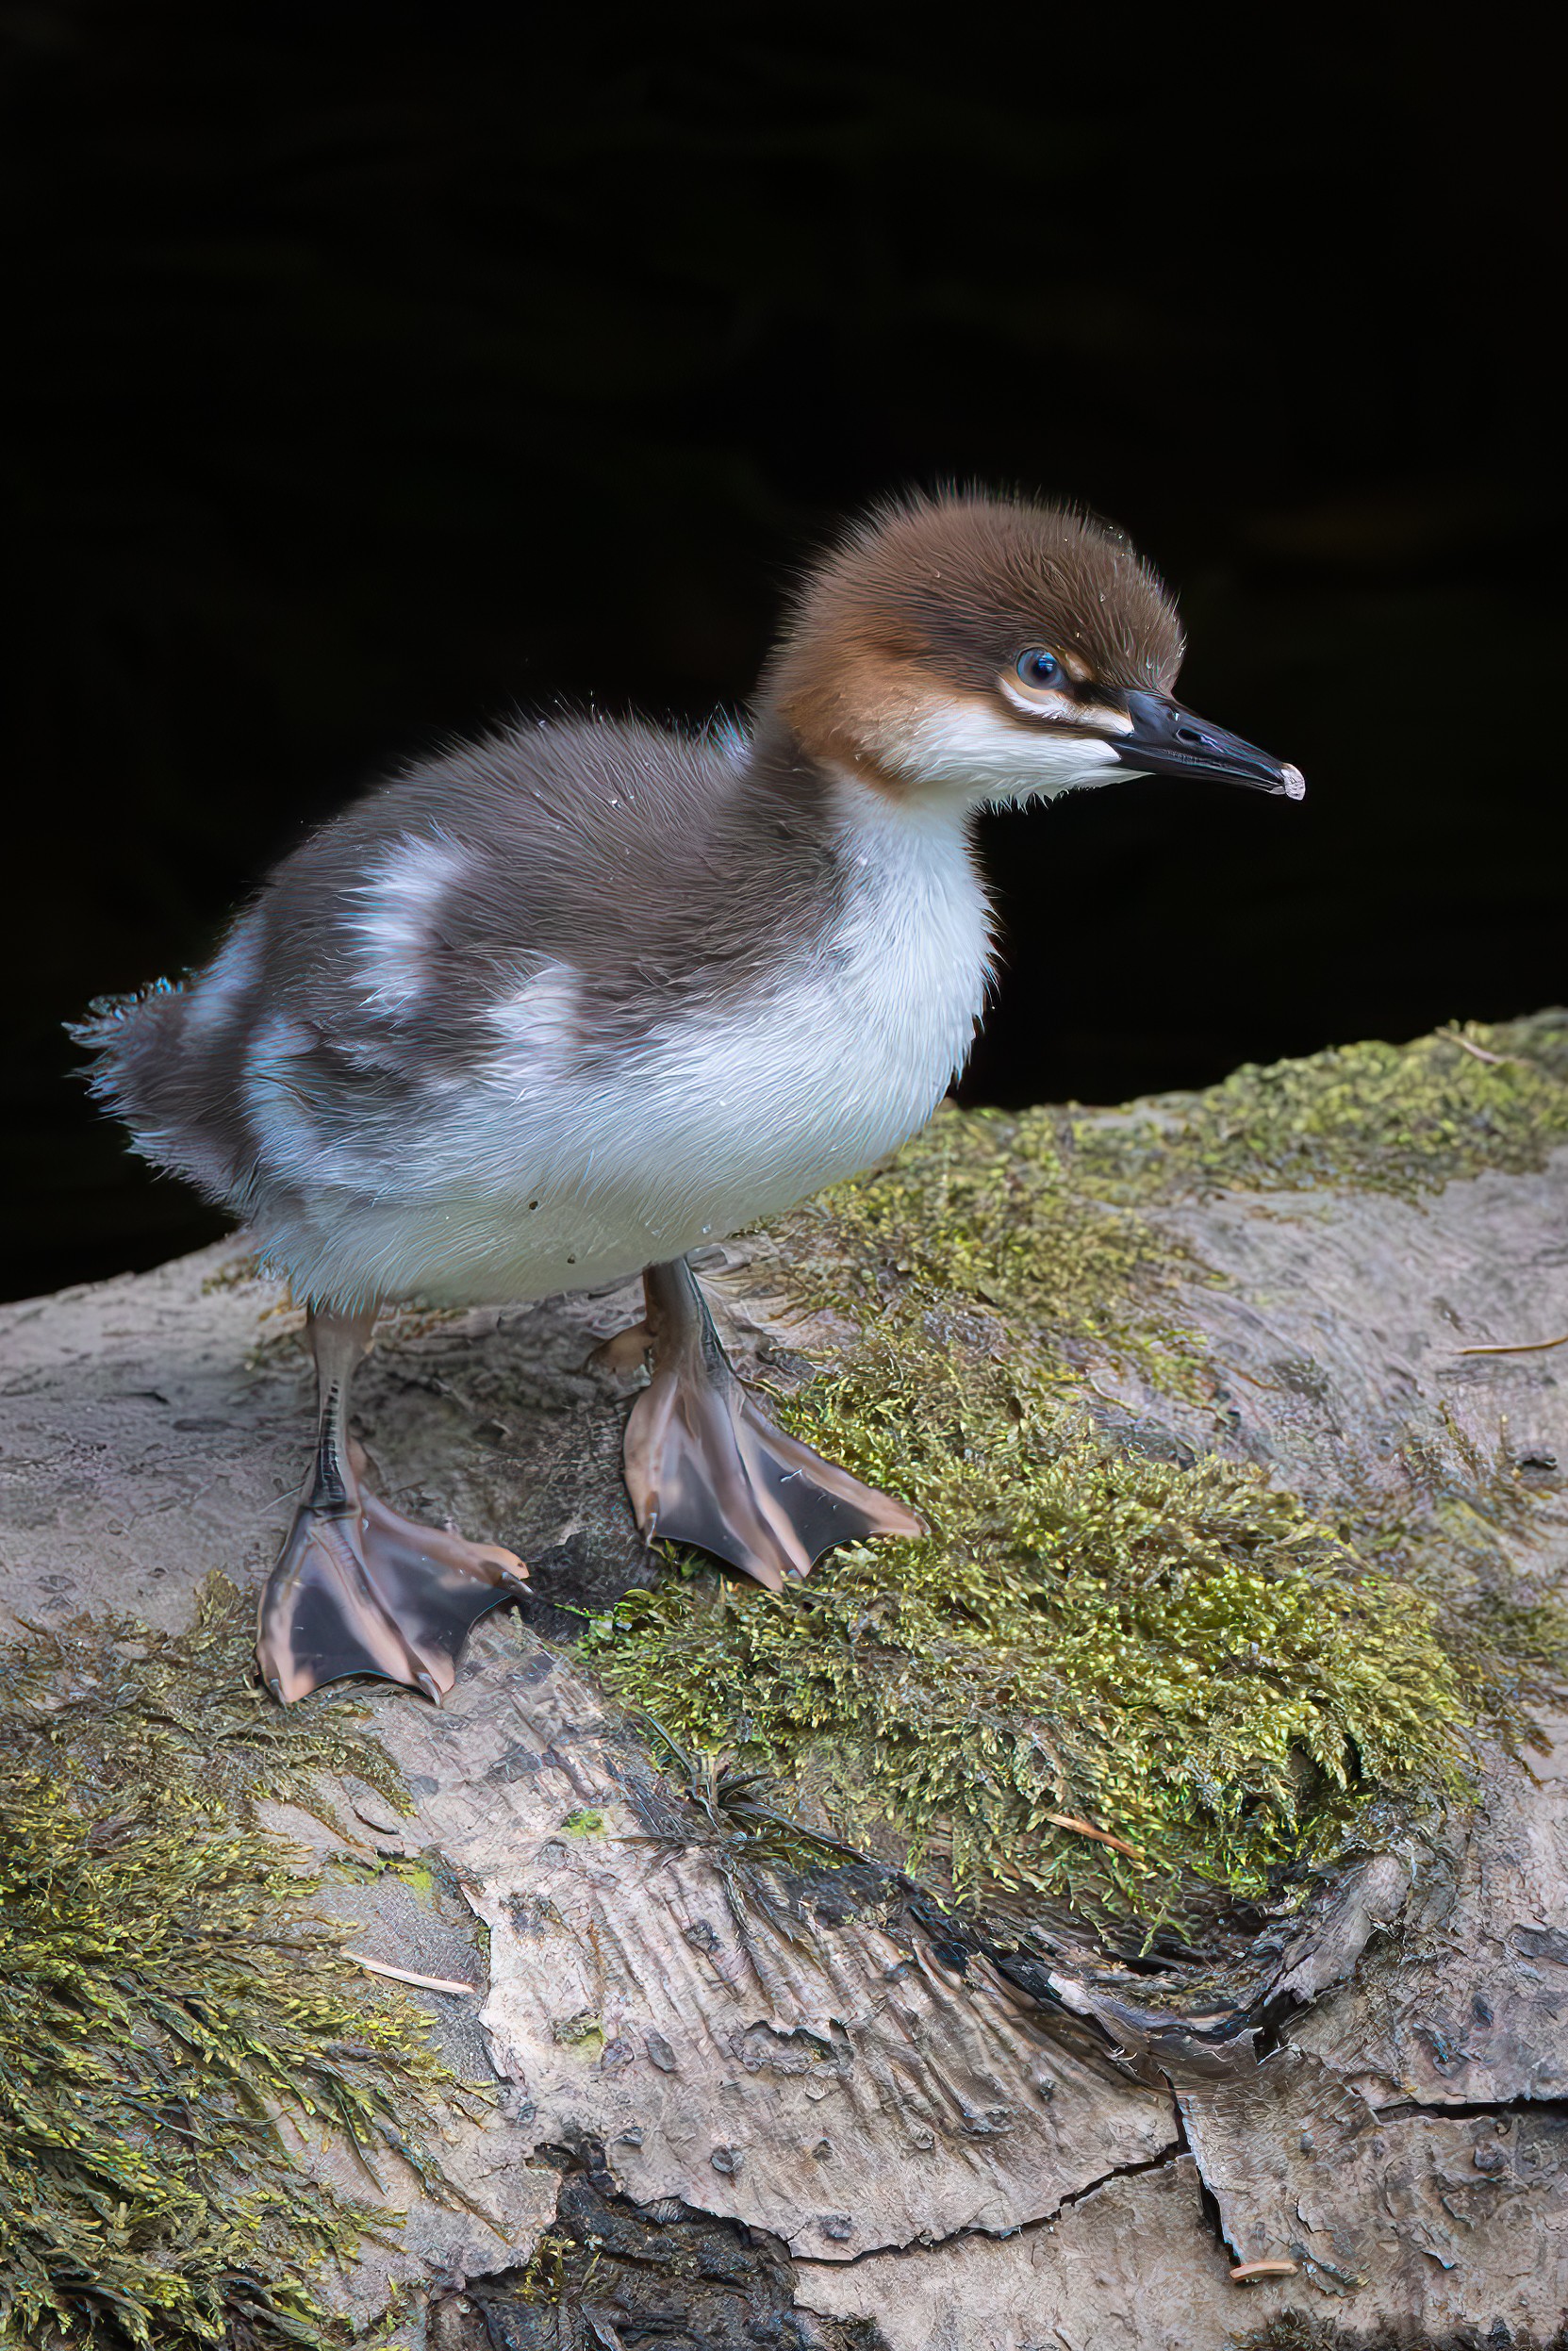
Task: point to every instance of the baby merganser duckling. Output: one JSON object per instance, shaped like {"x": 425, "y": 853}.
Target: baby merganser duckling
{"x": 571, "y": 1002}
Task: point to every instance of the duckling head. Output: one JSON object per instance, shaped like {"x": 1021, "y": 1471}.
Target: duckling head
{"x": 996, "y": 649}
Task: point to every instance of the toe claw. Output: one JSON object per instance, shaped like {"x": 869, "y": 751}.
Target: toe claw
{"x": 511, "y": 1566}
{"x": 627, "y": 1350}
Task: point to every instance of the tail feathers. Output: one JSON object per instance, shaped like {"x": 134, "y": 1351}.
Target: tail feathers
{"x": 147, "y": 1071}
{"x": 121, "y": 1032}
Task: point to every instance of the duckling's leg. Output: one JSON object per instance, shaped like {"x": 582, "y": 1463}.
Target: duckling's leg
{"x": 358, "y": 1588}
{"x": 705, "y": 1466}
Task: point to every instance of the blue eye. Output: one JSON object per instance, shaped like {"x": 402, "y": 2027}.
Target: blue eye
{"x": 1038, "y": 667}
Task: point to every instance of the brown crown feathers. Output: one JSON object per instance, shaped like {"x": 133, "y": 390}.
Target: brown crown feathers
{"x": 945, "y": 592}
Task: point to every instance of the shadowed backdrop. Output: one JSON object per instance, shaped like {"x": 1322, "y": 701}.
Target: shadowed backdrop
{"x": 377, "y": 373}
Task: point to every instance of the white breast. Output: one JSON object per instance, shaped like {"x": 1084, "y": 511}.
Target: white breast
{"x": 855, "y": 1047}
{"x": 544, "y": 1179}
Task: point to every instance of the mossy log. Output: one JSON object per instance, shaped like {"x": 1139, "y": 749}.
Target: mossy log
{"x": 1162, "y": 1874}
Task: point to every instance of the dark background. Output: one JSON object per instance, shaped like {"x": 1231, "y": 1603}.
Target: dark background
{"x": 375, "y": 372}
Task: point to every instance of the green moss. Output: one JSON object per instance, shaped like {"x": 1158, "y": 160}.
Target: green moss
{"x": 980, "y": 1214}
{"x": 584, "y": 2031}
{"x": 1179, "y": 1656}
{"x": 1403, "y": 1118}
{"x": 164, "y": 1993}
{"x": 1176, "y": 1656}
{"x": 583, "y": 1824}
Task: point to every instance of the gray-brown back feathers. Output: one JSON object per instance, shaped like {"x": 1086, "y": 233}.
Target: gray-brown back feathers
{"x": 365, "y": 972}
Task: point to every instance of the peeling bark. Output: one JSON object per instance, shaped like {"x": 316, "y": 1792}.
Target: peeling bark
{"x": 1385, "y": 2208}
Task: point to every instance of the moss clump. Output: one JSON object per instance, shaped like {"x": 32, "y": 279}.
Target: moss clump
{"x": 1182, "y": 1658}
{"x": 985, "y": 1214}
{"x": 1172, "y": 1653}
{"x": 164, "y": 1993}
{"x": 1403, "y": 1118}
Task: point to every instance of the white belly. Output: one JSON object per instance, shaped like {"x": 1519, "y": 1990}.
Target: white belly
{"x": 538, "y": 1179}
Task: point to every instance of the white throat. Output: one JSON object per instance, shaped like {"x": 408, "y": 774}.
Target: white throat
{"x": 964, "y": 749}
{"x": 918, "y": 941}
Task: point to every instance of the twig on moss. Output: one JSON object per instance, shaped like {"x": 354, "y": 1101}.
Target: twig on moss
{"x": 406, "y": 1974}
{"x": 1087, "y": 1829}
{"x": 1479, "y": 1053}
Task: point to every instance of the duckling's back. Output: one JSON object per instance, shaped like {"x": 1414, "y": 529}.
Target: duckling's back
{"x": 371, "y": 962}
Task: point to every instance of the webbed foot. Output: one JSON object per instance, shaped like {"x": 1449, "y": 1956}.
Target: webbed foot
{"x": 358, "y": 1588}
{"x": 705, "y": 1466}
{"x": 371, "y": 1592}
